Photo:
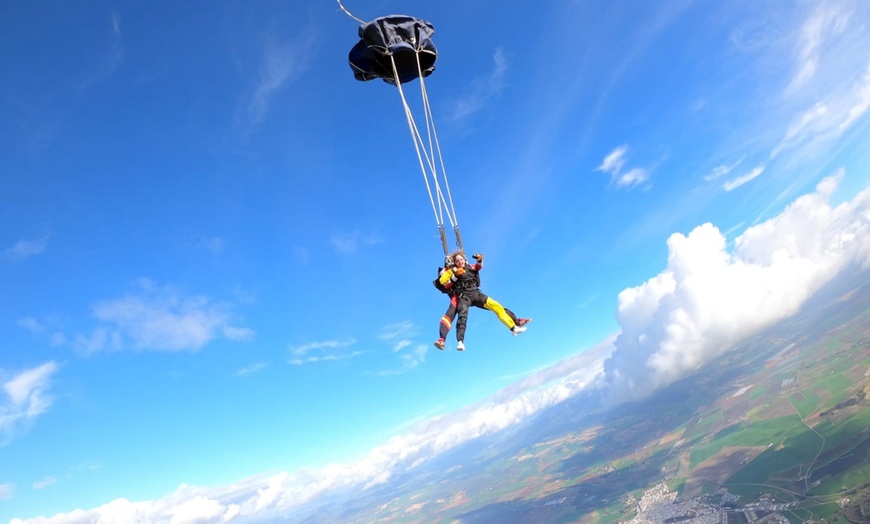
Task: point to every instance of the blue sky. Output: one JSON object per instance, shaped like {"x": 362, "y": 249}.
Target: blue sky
{"x": 216, "y": 247}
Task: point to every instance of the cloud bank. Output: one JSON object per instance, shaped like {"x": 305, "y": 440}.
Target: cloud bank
{"x": 264, "y": 499}
{"x": 710, "y": 298}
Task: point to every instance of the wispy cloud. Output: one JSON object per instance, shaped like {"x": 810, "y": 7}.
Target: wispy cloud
{"x": 280, "y": 63}
{"x": 25, "y": 398}
{"x": 743, "y": 179}
{"x": 723, "y": 170}
{"x": 860, "y": 101}
{"x": 349, "y": 243}
{"x": 826, "y": 21}
{"x": 6, "y": 491}
{"x": 614, "y": 164}
{"x": 32, "y": 325}
{"x": 109, "y": 62}
{"x": 26, "y": 248}
{"x": 400, "y": 335}
{"x": 212, "y": 245}
{"x": 44, "y": 483}
{"x": 326, "y": 351}
{"x": 253, "y": 368}
{"x": 158, "y": 319}
{"x": 483, "y": 89}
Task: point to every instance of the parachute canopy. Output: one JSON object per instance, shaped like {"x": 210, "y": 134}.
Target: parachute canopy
{"x": 395, "y": 40}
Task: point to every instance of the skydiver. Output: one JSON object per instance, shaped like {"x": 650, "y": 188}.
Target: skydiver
{"x": 450, "y": 315}
{"x": 463, "y": 282}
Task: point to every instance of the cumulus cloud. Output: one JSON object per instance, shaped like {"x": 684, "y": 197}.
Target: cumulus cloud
{"x": 709, "y": 298}
{"x": 158, "y": 319}
{"x": 25, "y": 397}
{"x": 614, "y": 164}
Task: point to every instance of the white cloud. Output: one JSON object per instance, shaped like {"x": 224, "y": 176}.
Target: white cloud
{"x": 614, "y": 161}
{"x": 253, "y": 368}
{"x": 483, "y": 89}
{"x": 400, "y": 335}
{"x": 262, "y": 498}
{"x": 32, "y": 325}
{"x": 44, "y": 483}
{"x": 6, "y": 491}
{"x": 825, "y": 22}
{"x": 739, "y": 181}
{"x": 709, "y": 299}
{"x": 349, "y": 243}
{"x": 829, "y": 117}
{"x": 158, "y": 320}
{"x": 26, "y": 248}
{"x": 25, "y": 398}
{"x": 860, "y": 101}
{"x": 613, "y": 165}
{"x": 279, "y": 64}
{"x": 720, "y": 171}
{"x": 632, "y": 177}
{"x": 326, "y": 351}
{"x": 212, "y": 245}
{"x": 808, "y": 125}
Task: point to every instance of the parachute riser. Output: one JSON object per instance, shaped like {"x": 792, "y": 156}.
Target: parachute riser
{"x": 458, "y": 239}
{"x": 443, "y": 234}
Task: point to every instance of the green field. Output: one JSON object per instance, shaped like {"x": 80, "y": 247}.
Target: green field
{"x": 805, "y": 403}
{"x": 762, "y": 433}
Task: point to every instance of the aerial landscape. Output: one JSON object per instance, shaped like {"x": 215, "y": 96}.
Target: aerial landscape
{"x": 777, "y": 428}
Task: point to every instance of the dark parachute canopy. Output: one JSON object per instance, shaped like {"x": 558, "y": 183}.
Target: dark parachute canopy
{"x": 398, "y": 40}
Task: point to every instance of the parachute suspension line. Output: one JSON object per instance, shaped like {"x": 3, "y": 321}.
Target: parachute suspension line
{"x": 415, "y": 136}
{"x": 422, "y": 151}
{"x": 348, "y": 13}
{"x": 430, "y": 128}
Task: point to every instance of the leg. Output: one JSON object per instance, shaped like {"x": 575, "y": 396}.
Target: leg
{"x": 508, "y": 320}
{"x": 462, "y": 310}
{"x": 447, "y": 319}
{"x": 517, "y": 320}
